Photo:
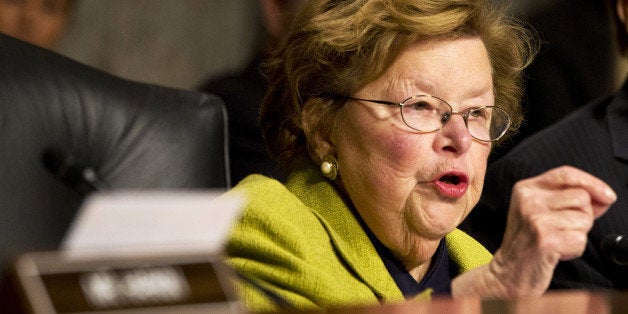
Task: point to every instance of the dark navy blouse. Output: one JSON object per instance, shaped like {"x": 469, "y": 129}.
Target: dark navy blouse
{"x": 438, "y": 277}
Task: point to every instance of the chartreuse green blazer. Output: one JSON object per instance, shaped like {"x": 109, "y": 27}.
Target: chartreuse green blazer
{"x": 299, "y": 244}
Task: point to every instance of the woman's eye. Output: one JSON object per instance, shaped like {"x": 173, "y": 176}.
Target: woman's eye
{"x": 478, "y": 113}
{"x": 421, "y": 105}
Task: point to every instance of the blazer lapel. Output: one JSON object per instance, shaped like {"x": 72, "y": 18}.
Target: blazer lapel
{"x": 345, "y": 231}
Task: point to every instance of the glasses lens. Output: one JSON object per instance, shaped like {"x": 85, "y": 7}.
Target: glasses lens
{"x": 425, "y": 113}
{"x": 488, "y": 123}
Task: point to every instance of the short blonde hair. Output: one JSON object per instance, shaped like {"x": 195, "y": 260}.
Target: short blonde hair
{"x": 335, "y": 47}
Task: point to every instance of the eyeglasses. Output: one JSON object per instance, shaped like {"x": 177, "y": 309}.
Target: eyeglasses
{"x": 425, "y": 113}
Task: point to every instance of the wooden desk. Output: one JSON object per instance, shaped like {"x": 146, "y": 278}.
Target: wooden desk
{"x": 568, "y": 302}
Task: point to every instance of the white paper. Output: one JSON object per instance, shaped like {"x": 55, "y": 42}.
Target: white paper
{"x": 157, "y": 222}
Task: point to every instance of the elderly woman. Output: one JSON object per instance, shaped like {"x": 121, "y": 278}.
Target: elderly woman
{"x": 385, "y": 112}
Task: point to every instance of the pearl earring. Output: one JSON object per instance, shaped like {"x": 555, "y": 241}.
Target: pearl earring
{"x": 329, "y": 167}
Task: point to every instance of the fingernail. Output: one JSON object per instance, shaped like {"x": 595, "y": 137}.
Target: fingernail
{"x": 610, "y": 194}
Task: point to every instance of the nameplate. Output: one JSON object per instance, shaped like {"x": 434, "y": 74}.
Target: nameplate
{"x": 55, "y": 282}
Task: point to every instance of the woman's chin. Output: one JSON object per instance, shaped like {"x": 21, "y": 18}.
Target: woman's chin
{"x": 436, "y": 223}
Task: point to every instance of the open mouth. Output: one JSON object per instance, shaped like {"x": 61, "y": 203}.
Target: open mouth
{"x": 452, "y": 184}
{"x": 451, "y": 179}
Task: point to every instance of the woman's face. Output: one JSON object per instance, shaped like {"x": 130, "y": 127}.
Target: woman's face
{"x": 413, "y": 188}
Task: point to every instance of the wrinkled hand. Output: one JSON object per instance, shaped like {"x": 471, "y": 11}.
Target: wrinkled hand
{"x": 548, "y": 221}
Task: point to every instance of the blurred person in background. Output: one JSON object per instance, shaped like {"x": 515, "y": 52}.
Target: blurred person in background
{"x": 576, "y": 62}
{"x": 39, "y": 22}
{"x": 243, "y": 92}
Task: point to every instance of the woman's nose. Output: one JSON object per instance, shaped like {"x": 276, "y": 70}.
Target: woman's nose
{"x": 455, "y": 135}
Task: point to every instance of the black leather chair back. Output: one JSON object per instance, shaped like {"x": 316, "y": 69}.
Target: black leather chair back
{"x": 134, "y": 135}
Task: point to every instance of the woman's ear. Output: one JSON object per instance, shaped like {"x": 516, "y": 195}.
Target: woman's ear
{"x": 317, "y": 129}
